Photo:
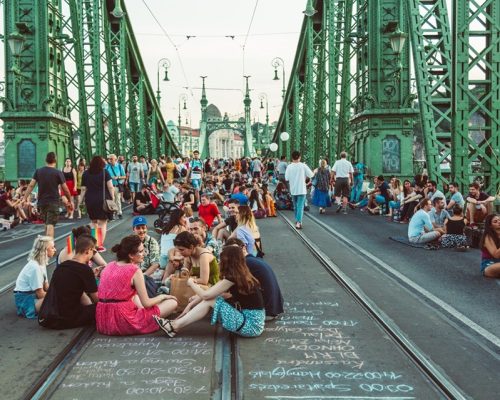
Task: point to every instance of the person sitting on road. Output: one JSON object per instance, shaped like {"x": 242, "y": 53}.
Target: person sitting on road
{"x": 420, "y": 229}
{"x": 490, "y": 247}
{"x": 379, "y": 196}
{"x": 208, "y": 210}
{"x": 413, "y": 194}
{"x": 431, "y": 191}
{"x": 268, "y": 201}
{"x": 176, "y": 224}
{"x": 456, "y": 196}
{"x": 247, "y": 230}
{"x": 201, "y": 262}
{"x": 454, "y": 230}
{"x": 243, "y": 313}
{"x": 124, "y": 307}
{"x": 142, "y": 202}
{"x": 439, "y": 214}
{"x": 479, "y": 204}
{"x": 188, "y": 199}
{"x": 170, "y": 195}
{"x": 256, "y": 204}
{"x": 32, "y": 284}
{"x": 67, "y": 253}
{"x": 74, "y": 288}
{"x": 222, "y": 231}
{"x": 150, "y": 265}
{"x": 199, "y": 228}
{"x": 273, "y": 299}
{"x": 241, "y": 195}
{"x": 282, "y": 197}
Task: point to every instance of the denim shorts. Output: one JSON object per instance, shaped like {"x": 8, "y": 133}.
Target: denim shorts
{"x": 134, "y": 186}
{"x": 196, "y": 183}
{"x": 487, "y": 262}
{"x": 25, "y": 304}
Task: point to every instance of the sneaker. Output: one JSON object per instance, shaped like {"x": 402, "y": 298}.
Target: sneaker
{"x": 101, "y": 249}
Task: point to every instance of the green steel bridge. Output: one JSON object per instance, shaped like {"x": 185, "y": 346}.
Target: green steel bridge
{"x": 372, "y": 77}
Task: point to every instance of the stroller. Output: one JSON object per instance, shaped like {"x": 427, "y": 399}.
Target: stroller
{"x": 162, "y": 208}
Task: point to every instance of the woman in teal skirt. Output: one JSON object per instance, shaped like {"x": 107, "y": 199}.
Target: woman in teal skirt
{"x": 243, "y": 313}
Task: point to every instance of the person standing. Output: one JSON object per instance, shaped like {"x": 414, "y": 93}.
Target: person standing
{"x": 96, "y": 188}
{"x": 343, "y": 175}
{"x": 296, "y": 174}
{"x": 321, "y": 197}
{"x": 282, "y": 169}
{"x": 135, "y": 175}
{"x": 49, "y": 178}
{"x": 195, "y": 174}
{"x": 117, "y": 173}
{"x": 357, "y": 186}
{"x": 70, "y": 176}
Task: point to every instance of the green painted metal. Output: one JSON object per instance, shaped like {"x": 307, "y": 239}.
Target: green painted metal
{"x": 35, "y": 113}
{"x": 79, "y": 86}
{"x": 244, "y": 126}
{"x": 430, "y": 39}
{"x": 476, "y": 93}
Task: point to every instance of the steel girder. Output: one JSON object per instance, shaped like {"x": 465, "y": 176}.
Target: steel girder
{"x": 476, "y": 93}
{"x": 115, "y": 104}
{"x": 430, "y": 39}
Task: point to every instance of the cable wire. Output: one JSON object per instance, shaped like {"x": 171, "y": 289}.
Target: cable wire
{"x": 248, "y": 32}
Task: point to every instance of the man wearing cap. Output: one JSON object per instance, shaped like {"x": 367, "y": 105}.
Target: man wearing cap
{"x": 117, "y": 173}
{"x": 150, "y": 265}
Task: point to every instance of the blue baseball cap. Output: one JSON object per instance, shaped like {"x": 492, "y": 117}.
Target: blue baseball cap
{"x": 139, "y": 221}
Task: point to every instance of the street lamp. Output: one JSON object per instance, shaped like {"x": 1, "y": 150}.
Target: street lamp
{"x": 165, "y": 64}
{"x": 309, "y": 11}
{"x": 275, "y": 63}
{"x": 182, "y": 99}
{"x": 262, "y": 97}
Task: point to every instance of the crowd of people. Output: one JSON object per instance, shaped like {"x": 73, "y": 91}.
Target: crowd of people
{"x": 210, "y": 236}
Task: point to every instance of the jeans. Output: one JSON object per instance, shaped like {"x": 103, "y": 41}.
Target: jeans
{"x": 298, "y": 206}
{"x": 356, "y": 190}
{"x": 425, "y": 237}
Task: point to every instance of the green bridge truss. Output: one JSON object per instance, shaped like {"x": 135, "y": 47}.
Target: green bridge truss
{"x": 350, "y": 90}
{"x": 75, "y": 85}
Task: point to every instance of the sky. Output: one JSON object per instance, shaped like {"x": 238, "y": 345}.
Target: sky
{"x": 273, "y": 28}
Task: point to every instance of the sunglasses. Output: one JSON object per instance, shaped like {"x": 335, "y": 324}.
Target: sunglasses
{"x": 193, "y": 219}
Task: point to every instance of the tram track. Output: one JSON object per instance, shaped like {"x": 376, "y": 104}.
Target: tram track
{"x": 432, "y": 371}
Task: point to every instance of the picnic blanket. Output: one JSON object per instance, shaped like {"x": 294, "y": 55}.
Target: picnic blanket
{"x": 404, "y": 240}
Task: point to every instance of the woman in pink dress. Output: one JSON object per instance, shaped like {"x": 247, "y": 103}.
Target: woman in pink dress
{"x": 124, "y": 307}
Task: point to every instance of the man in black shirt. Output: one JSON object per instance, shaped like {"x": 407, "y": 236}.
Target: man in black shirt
{"x": 220, "y": 232}
{"x": 479, "y": 204}
{"x": 49, "y": 178}
{"x": 142, "y": 202}
{"x": 75, "y": 289}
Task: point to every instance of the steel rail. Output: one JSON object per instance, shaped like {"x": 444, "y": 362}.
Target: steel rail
{"x": 444, "y": 383}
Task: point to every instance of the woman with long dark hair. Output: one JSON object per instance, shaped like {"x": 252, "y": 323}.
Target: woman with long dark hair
{"x": 175, "y": 225}
{"x": 256, "y": 204}
{"x": 243, "y": 313}
{"x": 96, "y": 187}
{"x": 124, "y": 307}
{"x": 490, "y": 247}
{"x": 70, "y": 175}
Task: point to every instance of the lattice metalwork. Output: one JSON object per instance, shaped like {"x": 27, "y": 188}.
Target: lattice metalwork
{"x": 476, "y": 93}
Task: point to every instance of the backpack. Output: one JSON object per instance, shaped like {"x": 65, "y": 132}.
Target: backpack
{"x": 49, "y": 315}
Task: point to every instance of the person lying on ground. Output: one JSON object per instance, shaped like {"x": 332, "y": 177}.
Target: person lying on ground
{"x": 241, "y": 311}
{"x": 32, "y": 284}
{"x": 490, "y": 247}
{"x": 124, "y": 307}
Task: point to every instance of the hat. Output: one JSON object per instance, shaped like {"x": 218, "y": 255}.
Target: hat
{"x": 139, "y": 221}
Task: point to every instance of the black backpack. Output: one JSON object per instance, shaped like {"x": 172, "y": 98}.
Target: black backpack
{"x": 49, "y": 316}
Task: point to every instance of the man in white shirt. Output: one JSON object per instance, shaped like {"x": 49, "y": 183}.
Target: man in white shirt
{"x": 342, "y": 173}
{"x": 296, "y": 174}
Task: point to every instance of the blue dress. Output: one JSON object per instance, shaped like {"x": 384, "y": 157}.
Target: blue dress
{"x": 321, "y": 197}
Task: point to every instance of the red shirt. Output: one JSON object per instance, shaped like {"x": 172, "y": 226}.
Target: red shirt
{"x": 208, "y": 213}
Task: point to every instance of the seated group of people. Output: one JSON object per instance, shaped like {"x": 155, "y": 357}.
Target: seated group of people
{"x": 131, "y": 295}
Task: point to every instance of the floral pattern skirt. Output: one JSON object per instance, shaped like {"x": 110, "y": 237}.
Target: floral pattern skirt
{"x": 246, "y": 323}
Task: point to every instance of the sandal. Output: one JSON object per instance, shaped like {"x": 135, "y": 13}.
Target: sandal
{"x": 165, "y": 325}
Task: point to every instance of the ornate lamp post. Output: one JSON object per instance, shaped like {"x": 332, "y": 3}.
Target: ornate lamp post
{"x": 275, "y": 63}
{"x": 262, "y": 97}
{"x": 182, "y": 99}
{"x": 165, "y": 64}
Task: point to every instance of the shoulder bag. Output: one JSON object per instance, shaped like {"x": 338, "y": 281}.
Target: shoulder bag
{"x": 108, "y": 205}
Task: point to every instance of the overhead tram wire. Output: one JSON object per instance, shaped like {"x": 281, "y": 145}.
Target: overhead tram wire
{"x": 248, "y": 32}
{"x": 173, "y": 45}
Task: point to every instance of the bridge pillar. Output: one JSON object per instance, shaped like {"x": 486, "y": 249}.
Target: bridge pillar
{"x": 382, "y": 124}
{"x": 35, "y": 112}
